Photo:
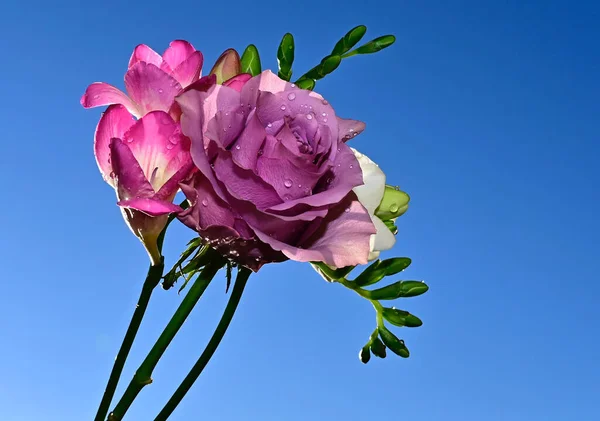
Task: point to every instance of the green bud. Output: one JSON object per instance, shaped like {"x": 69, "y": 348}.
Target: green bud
{"x": 327, "y": 65}
{"x": 400, "y": 317}
{"x": 250, "y": 60}
{"x": 349, "y": 40}
{"x": 376, "y": 45}
{"x": 308, "y": 84}
{"x": 400, "y": 289}
{"x": 393, "y": 204}
{"x": 364, "y": 354}
{"x": 227, "y": 66}
{"x": 393, "y": 343}
{"x": 285, "y": 57}
{"x": 378, "y": 348}
{"x": 381, "y": 268}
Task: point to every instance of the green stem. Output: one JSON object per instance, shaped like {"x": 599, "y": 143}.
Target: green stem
{"x": 210, "y": 349}
{"x": 154, "y": 274}
{"x": 142, "y": 376}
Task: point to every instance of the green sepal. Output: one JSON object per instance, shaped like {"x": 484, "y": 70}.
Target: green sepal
{"x": 250, "y": 61}
{"x": 285, "y": 57}
{"x": 393, "y": 204}
{"x": 393, "y": 343}
{"x": 352, "y": 37}
{"x": 400, "y": 289}
{"x": 400, "y": 317}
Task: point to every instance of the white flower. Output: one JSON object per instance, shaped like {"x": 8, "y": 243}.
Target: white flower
{"x": 370, "y": 195}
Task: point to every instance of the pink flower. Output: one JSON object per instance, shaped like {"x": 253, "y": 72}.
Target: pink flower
{"x": 151, "y": 81}
{"x": 144, "y": 160}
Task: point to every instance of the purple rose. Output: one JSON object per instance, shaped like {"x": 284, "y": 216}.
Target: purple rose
{"x": 275, "y": 177}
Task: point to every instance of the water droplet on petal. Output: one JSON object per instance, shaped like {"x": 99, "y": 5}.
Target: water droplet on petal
{"x": 329, "y": 180}
{"x": 238, "y": 147}
{"x": 204, "y": 202}
{"x": 394, "y": 207}
{"x": 170, "y": 146}
{"x": 260, "y": 152}
{"x": 351, "y": 166}
{"x": 129, "y": 139}
{"x": 96, "y": 96}
{"x": 324, "y": 120}
{"x": 324, "y": 114}
{"x": 309, "y": 116}
{"x": 299, "y": 186}
{"x": 160, "y": 91}
{"x": 291, "y": 96}
{"x": 347, "y": 210}
{"x": 293, "y": 85}
{"x": 325, "y": 102}
{"x": 287, "y": 183}
{"x": 227, "y": 113}
{"x": 270, "y": 125}
{"x": 282, "y": 108}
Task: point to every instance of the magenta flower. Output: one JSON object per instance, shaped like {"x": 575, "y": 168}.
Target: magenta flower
{"x": 144, "y": 160}
{"x": 152, "y": 81}
{"x": 275, "y": 177}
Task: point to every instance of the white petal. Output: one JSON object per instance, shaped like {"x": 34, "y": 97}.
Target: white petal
{"x": 371, "y": 192}
{"x": 384, "y": 239}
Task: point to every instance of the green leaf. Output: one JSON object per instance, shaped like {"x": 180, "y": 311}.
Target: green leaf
{"x": 393, "y": 204}
{"x": 400, "y": 317}
{"x": 364, "y": 354}
{"x": 393, "y": 343}
{"x": 378, "y": 348}
{"x": 250, "y": 60}
{"x": 349, "y": 40}
{"x": 370, "y": 275}
{"x": 308, "y": 84}
{"x": 400, "y": 289}
{"x": 376, "y": 45}
{"x": 285, "y": 57}
{"x": 173, "y": 275}
{"x": 327, "y": 65}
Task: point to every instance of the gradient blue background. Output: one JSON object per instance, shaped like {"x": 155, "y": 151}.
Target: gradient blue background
{"x": 487, "y": 113}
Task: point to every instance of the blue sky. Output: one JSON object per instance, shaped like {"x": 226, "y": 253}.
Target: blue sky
{"x": 485, "y": 112}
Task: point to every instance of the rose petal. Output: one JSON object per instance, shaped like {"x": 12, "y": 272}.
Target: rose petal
{"x": 100, "y": 94}
{"x": 130, "y": 180}
{"x": 246, "y": 149}
{"x": 349, "y": 128}
{"x": 342, "y": 239}
{"x": 145, "y": 54}
{"x": 151, "y": 207}
{"x": 113, "y": 123}
{"x": 150, "y": 87}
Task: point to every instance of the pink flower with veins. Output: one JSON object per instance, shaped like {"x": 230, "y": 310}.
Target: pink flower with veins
{"x": 144, "y": 160}
{"x": 152, "y": 81}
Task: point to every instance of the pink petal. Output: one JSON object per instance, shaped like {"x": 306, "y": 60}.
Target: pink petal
{"x": 113, "y": 123}
{"x": 189, "y": 70}
{"x": 349, "y": 128}
{"x": 146, "y": 54}
{"x": 227, "y": 66}
{"x": 100, "y": 94}
{"x": 150, "y": 87}
{"x": 129, "y": 177}
{"x": 177, "y": 52}
{"x": 158, "y": 146}
{"x": 342, "y": 239}
{"x": 238, "y": 82}
{"x": 151, "y": 207}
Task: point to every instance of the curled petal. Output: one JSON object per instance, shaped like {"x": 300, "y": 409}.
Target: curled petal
{"x": 349, "y": 128}
{"x": 130, "y": 181}
{"x": 99, "y": 94}
{"x": 113, "y": 123}
{"x": 383, "y": 239}
{"x": 177, "y": 52}
{"x": 371, "y": 192}
{"x": 189, "y": 70}
{"x": 238, "y": 82}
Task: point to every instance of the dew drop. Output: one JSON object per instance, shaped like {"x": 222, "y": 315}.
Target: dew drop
{"x": 394, "y": 207}
{"x": 347, "y": 210}
{"x": 325, "y": 102}
{"x": 204, "y": 202}
{"x": 96, "y": 96}
{"x": 351, "y": 166}
{"x": 227, "y": 113}
{"x": 129, "y": 139}
{"x": 291, "y": 96}
{"x": 329, "y": 180}
{"x": 309, "y": 116}
{"x": 160, "y": 91}
{"x": 287, "y": 183}
{"x": 299, "y": 186}
{"x": 324, "y": 114}
{"x": 282, "y": 108}
{"x": 324, "y": 120}
{"x": 293, "y": 85}
{"x": 238, "y": 147}
{"x": 257, "y": 259}
{"x": 270, "y": 125}
{"x": 351, "y": 130}
{"x": 170, "y": 146}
